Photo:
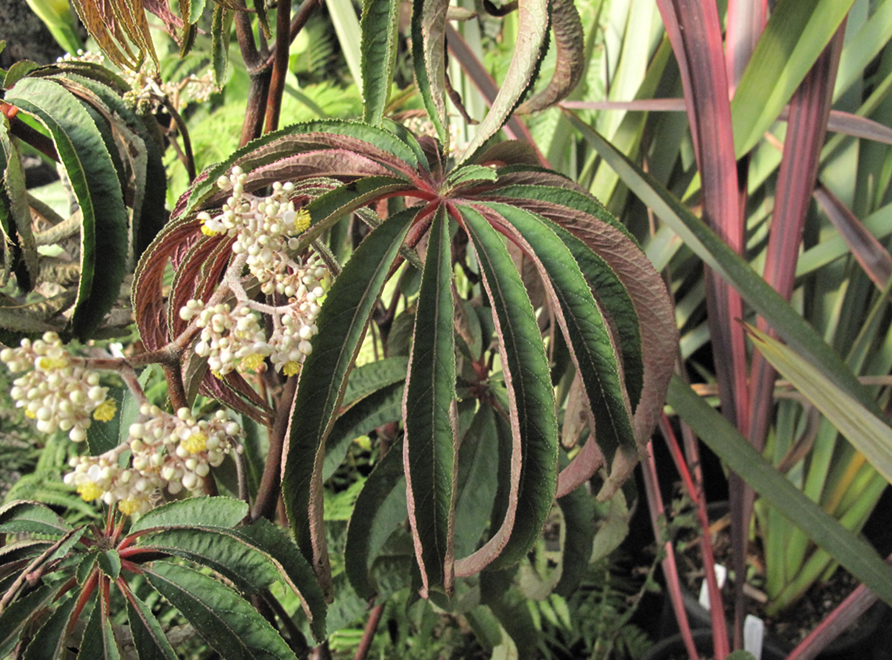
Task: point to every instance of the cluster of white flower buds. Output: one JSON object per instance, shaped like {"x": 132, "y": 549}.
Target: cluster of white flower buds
{"x": 264, "y": 229}
{"x": 56, "y": 392}
{"x": 167, "y": 451}
{"x": 228, "y": 337}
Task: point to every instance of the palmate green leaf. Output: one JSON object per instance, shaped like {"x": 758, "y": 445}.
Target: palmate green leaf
{"x": 534, "y": 456}
{"x": 31, "y": 518}
{"x": 851, "y": 551}
{"x": 798, "y": 334}
{"x": 591, "y": 344}
{"x": 380, "y": 34}
{"x": 868, "y": 434}
{"x": 50, "y": 641}
{"x": 430, "y": 417}
{"x": 95, "y": 184}
{"x": 378, "y": 408}
{"x": 148, "y": 636}
{"x": 212, "y": 512}
{"x": 531, "y": 30}
{"x": 227, "y": 623}
{"x": 429, "y": 58}
{"x": 380, "y": 507}
{"x": 342, "y": 323}
{"x": 792, "y": 40}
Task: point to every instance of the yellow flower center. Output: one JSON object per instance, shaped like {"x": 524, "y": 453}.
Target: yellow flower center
{"x": 89, "y": 491}
{"x": 251, "y": 362}
{"x": 47, "y": 363}
{"x": 106, "y": 411}
{"x": 301, "y": 221}
{"x": 30, "y": 414}
{"x": 195, "y": 443}
{"x": 292, "y": 368}
{"x": 207, "y": 231}
{"x": 217, "y": 375}
{"x": 129, "y": 506}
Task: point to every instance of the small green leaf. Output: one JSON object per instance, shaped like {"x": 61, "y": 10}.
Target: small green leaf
{"x": 95, "y": 184}
{"x": 430, "y": 416}
{"x": 218, "y": 512}
{"x": 468, "y": 175}
{"x": 228, "y": 623}
{"x": 380, "y": 34}
{"x": 31, "y": 518}
{"x": 103, "y": 436}
{"x": 110, "y": 563}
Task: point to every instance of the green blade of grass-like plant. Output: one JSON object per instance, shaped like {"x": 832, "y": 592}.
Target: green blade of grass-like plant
{"x": 534, "y": 456}
{"x": 430, "y": 417}
{"x": 380, "y": 507}
{"x": 227, "y": 622}
{"x": 867, "y": 433}
{"x": 762, "y": 298}
{"x": 793, "y": 39}
{"x": 95, "y": 185}
{"x": 592, "y": 346}
{"x": 855, "y": 554}
{"x": 380, "y": 33}
{"x": 342, "y": 324}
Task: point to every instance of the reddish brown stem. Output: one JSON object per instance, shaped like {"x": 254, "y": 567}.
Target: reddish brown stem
{"x": 86, "y": 592}
{"x": 255, "y": 61}
{"x": 279, "y": 66}
{"x": 268, "y": 493}
{"x": 369, "y": 633}
{"x": 176, "y": 391}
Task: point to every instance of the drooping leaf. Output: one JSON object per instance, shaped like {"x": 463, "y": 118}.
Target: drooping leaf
{"x": 220, "y": 25}
{"x": 15, "y": 216}
{"x": 31, "y": 518}
{"x": 342, "y": 323}
{"x": 578, "y": 535}
{"x": 380, "y": 34}
{"x": 429, "y": 58}
{"x": 214, "y": 512}
{"x": 532, "y": 28}
{"x": 530, "y": 400}
{"x": 380, "y": 507}
{"x": 430, "y": 417}
{"x": 228, "y": 623}
{"x": 95, "y": 185}
{"x": 569, "y": 43}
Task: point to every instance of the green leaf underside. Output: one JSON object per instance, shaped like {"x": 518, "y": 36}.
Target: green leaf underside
{"x": 228, "y": 623}
{"x": 218, "y": 512}
{"x": 342, "y": 323}
{"x": 148, "y": 636}
{"x": 428, "y": 411}
{"x": 530, "y": 398}
{"x": 380, "y": 33}
{"x": 260, "y": 152}
{"x": 852, "y": 552}
{"x": 31, "y": 518}
{"x": 588, "y": 334}
{"x": 380, "y": 507}
{"x": 95, "y": 185}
